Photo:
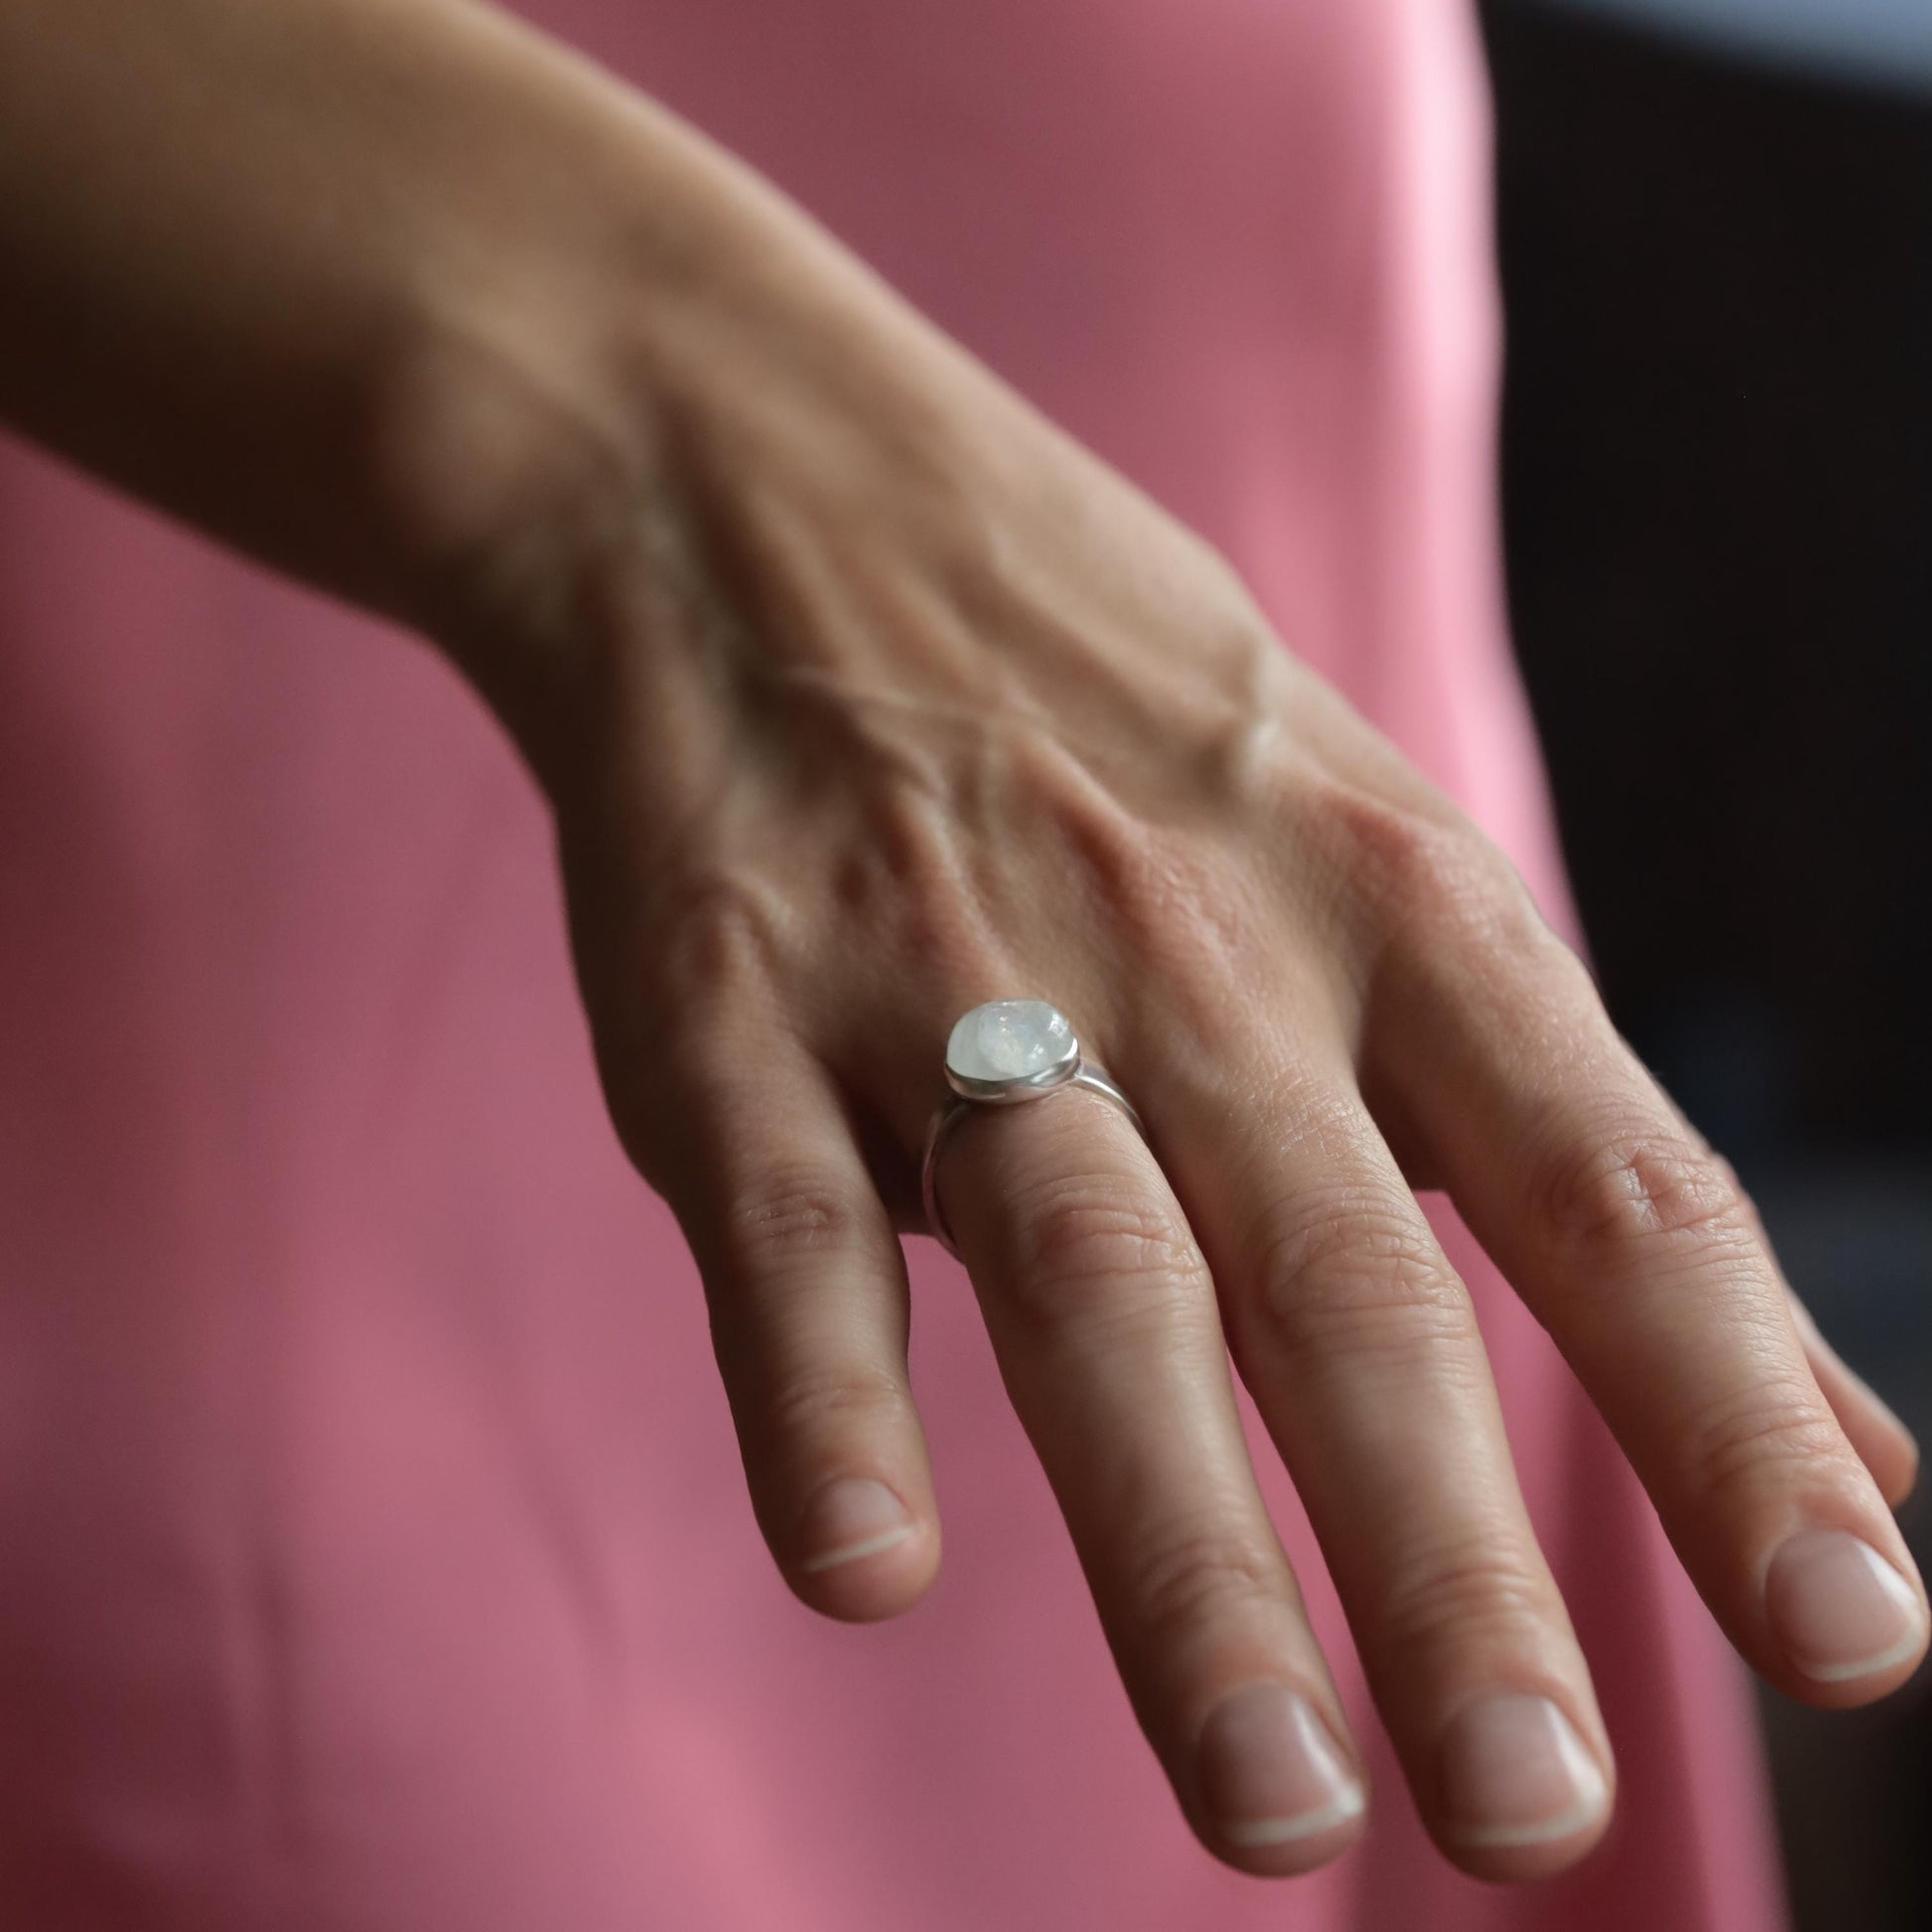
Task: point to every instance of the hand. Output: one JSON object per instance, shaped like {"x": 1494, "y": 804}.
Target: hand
{"x": 867, "y": 696}
{"x": 863, "y": 695}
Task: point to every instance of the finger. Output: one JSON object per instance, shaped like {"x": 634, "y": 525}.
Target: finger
{"x": 1637, "y": 1252}
{"x": 1361, "y": 1346}
{"x": 1884, "y": 1445}
{"x": 1102, "y": 1316}
{"x": 806, "y": 1290}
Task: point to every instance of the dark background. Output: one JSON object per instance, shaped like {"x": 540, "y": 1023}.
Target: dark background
{"x": 1717, "y": 503}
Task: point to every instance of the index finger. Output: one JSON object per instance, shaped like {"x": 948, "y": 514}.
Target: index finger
{"x": 1635, "y": 1248}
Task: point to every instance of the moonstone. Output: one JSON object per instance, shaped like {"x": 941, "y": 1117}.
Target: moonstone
{"x": 1010, "y": 1040}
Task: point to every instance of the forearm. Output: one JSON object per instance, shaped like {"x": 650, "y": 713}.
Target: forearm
{"x": 317, "y": 275}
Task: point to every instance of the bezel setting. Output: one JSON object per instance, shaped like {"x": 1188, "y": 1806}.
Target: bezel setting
{"x": 1009, "y": 1050}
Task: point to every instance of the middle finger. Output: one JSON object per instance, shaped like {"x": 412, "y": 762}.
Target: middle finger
{"x": 1103, "y": 1321}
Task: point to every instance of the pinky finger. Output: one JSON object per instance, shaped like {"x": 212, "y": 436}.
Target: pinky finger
{"x": 1884, "y": 1445}
{"x": 806, "y": 1289}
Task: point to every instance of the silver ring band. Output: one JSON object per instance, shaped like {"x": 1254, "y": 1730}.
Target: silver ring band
{"x": 1005, "y": 1054}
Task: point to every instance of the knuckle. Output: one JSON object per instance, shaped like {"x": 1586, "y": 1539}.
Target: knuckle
{"x": 1465, "y": 1592}
{"x": 1181, "y": 1582}
{"x": 1351, "y": 1277}
{"x": 1755, "y": 1439}
{"x": 714, "y": 930}
{"x": 1085, "y": 1236}
{"x": 706, "y": 948}
{"x": 908, "y": 882}
{"x": 789, "y": 1225}
{"x": 805, "y": 1405}
{"x": 1637, "y": 1187}
{"x": 1173, "y": 898}
{"x": 1170, "y": 894}
{"x": 1090, "y": 1226}
{"x": 1427, "y": 875}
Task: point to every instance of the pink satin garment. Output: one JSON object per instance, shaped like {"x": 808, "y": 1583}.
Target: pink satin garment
{"x": 374, "y": 1555}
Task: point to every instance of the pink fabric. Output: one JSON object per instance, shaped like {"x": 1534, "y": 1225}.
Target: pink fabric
{"x": 373, "y": 1550}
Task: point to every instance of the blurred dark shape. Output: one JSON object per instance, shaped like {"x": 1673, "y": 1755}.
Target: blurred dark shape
{"x": 1718, "y": 500}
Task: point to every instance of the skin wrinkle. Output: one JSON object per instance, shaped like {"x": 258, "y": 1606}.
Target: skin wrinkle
{"x": 1185, "y": 1581}
{"x": 1311, "y": 1106}
{"x": 1757, "y": 1438}
{"x": 1368, "y": 1257}
{"x": 1630, "y": 1189}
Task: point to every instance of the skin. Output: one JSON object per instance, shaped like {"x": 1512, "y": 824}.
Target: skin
{"x": 860, "y": 694}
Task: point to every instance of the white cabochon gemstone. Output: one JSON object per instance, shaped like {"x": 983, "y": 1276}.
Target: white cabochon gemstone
{"x": 1010, "y": 1040}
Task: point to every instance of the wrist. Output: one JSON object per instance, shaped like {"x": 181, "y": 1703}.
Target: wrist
{"x": 556, "y": 382}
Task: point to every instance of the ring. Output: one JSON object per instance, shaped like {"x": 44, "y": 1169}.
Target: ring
{"x": 997, "y": 1055}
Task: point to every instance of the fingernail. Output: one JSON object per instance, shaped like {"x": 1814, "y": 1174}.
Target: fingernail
{"x": 1839, "y": 1609}
{"x": 1270, "y": 1771}
{"x": 850, "y": 1518}
{"x": 1515, "y": 1772}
